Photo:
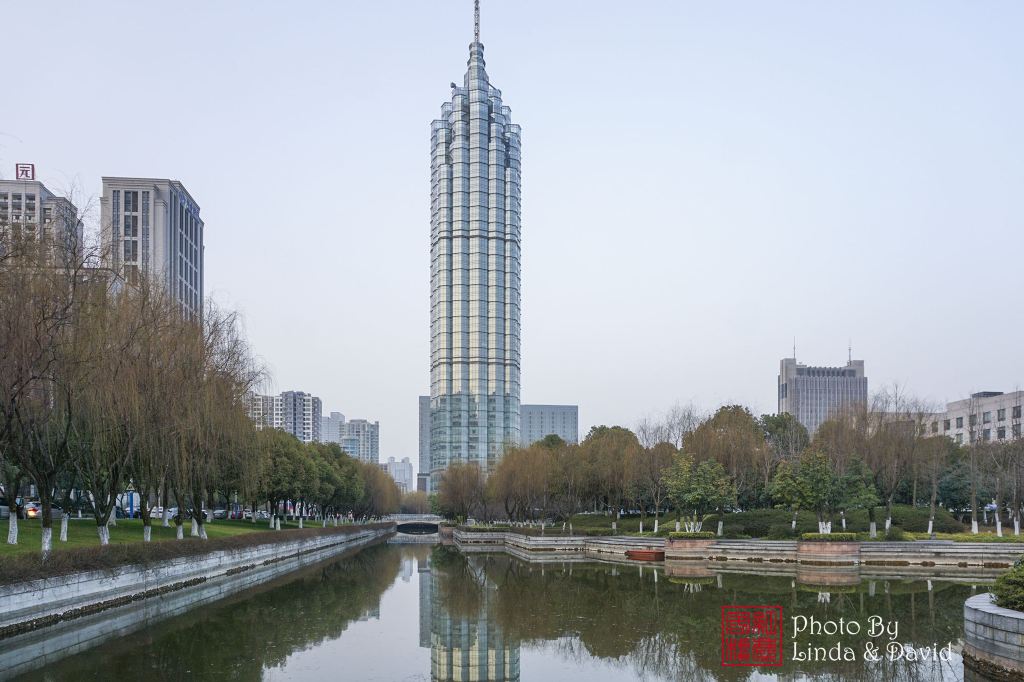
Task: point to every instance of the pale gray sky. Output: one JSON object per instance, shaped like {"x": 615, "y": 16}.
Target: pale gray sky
{"x": 702, "y": 181}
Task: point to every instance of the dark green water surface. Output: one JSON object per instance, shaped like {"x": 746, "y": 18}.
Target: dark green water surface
{"x": 421, "y": 612}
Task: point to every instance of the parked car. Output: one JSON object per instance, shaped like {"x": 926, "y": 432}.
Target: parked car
{"x": 263, "y": 514}
{"x": 219, "y": 513}
{"x": 33, "y": 510}
{"x": 247, "y": 515}
{"x": 5, "y": 510}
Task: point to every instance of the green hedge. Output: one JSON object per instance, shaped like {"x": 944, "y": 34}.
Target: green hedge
{"x": 701, "y": 535}
{"x": 770, "y": 523}
{"x": 1009, "y": 588}
{"x": 829, "y": 537}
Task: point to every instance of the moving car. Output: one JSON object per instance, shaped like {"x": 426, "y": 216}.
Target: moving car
{"x": 33, "y": 510}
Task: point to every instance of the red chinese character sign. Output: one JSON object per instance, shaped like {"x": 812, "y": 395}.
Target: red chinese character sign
{"x": 24, "y": 171}
{"x": 751, "y": 636}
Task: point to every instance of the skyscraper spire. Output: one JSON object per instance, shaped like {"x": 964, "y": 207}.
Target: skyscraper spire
{"x": 476, "y": 21}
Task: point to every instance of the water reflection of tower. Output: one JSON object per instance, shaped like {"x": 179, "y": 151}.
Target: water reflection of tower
{"x": 468, "y": 647}
{"x": 423, "y": 569}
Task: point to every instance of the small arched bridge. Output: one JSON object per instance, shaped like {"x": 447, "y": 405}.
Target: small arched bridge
{"x": 416, "y": 524}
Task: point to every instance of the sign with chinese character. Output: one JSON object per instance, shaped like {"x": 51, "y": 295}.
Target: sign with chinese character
{"x": 751, "y": 636}
{"x": 25, "y": 171}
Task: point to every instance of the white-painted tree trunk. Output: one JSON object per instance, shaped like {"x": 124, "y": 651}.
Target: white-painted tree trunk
{"x": 614, "y": 527}
{"x": 1016, "y": 525}
{"x": 324, "y": 525}
{"x": 12, "y": 528}
{"x": 641, "y": 526}
{"x": 277, "y": 524}
{"x": 202, "y": 531}
{"x": 984, "y": 516}
{"x": 180, "y": 532}
{"x": 974, "y": 526}
{"x": 167, "y": 517}
{"x": 47, "y": 543}
{"x": 79, "y": 513}
{"x": 194, "y": 528}
{"x": 300, "y": 522}
{"x": 655, "y": 528}
{"x": 999, "y": 526}
{"x": 842, "y": 516}
{"x": 64, "y": 527}
{"x": 104, "y": 533}
{"x": 147, "y": 533}
{"x": 677, "y": 526}
{"x": 873, "y": 530}
{"x": 888, "y": 523}
{"x": 721, "y": 528}
{"x": 930, "y": 525}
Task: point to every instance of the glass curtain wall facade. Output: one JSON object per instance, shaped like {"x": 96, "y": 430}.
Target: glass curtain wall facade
{"x": 475, "y": 261}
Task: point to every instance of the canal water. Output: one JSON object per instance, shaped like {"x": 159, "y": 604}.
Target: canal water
{"x": 428, "y": 612}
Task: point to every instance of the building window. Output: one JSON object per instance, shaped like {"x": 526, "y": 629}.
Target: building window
{"x": 959, "y": 438}
{"x": 1001, "y": 414}
{"x": 986, "y": 434}
{"x": 945, "y": 425}
{"x": 986, "y": 417}
{"x": 1016, "y": 430}
{"x": 959, "y": 422}
{"x": 973, "y": 419}
{"x": 1001, "y": 433}
{"x": 1016, "y": 411}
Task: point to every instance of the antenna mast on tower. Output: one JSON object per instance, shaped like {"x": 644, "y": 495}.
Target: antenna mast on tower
{"x": 476, "y": 21}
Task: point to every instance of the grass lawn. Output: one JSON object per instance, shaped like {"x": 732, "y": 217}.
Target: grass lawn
{"x": 82, "y": 533}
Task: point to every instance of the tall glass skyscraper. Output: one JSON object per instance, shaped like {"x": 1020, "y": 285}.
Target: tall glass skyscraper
{"x": 474, "y": 274}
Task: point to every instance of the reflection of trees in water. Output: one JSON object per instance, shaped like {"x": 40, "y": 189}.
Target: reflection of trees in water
{"x": 670, "y": 629}
{"x": 243, "y": 635}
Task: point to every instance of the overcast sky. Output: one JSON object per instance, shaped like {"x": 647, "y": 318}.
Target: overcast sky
{"x": 702, "y": 182}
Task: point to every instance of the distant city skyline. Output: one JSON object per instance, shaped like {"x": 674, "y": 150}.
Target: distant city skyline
{"x": 682, "y": 160}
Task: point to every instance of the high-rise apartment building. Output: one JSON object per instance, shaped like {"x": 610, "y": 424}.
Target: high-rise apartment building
{"x": 331, "y": 427}
{"x": 985, "y": 417}
{"x": 474, "y": 273}
{"x": 423, "y": 462}
{"x": 296, "y": 412}
{"x": 302, "y": 414}
{"x": 361, "y": 439}
{"x": 28, "y": 210}
{"x": 543, "y": 420}
{"x": 151, "y": 227}
{"x": 816, "y": 394}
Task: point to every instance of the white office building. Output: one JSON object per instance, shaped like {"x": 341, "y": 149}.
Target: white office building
{"x": 543, "y": 420}
{"x": 985, "y": 417}
{"x": 816, "y": 394}
{"x": 151, "y": 227}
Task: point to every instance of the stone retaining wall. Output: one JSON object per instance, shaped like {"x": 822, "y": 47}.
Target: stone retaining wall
{"x": 993, "y": 639}
{"x": 38, "y": 603}
{"x": 571, "y": 544}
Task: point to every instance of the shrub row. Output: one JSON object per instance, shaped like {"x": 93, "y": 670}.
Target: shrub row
{"x": 829, "y": 537}
{"x": 1009, "y": 588}
{"x": 27, "y": 567}
{"x": 698, "y": 535}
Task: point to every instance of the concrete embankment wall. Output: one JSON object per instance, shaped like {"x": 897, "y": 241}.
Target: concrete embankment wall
{"x": 993, "y": 640}
{"x": 922, "y": 553}
{"x": 48, "y": 619}
{"x": 561, "y": 545}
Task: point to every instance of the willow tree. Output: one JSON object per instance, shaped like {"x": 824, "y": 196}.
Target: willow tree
{"x": 42, "y": 284}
